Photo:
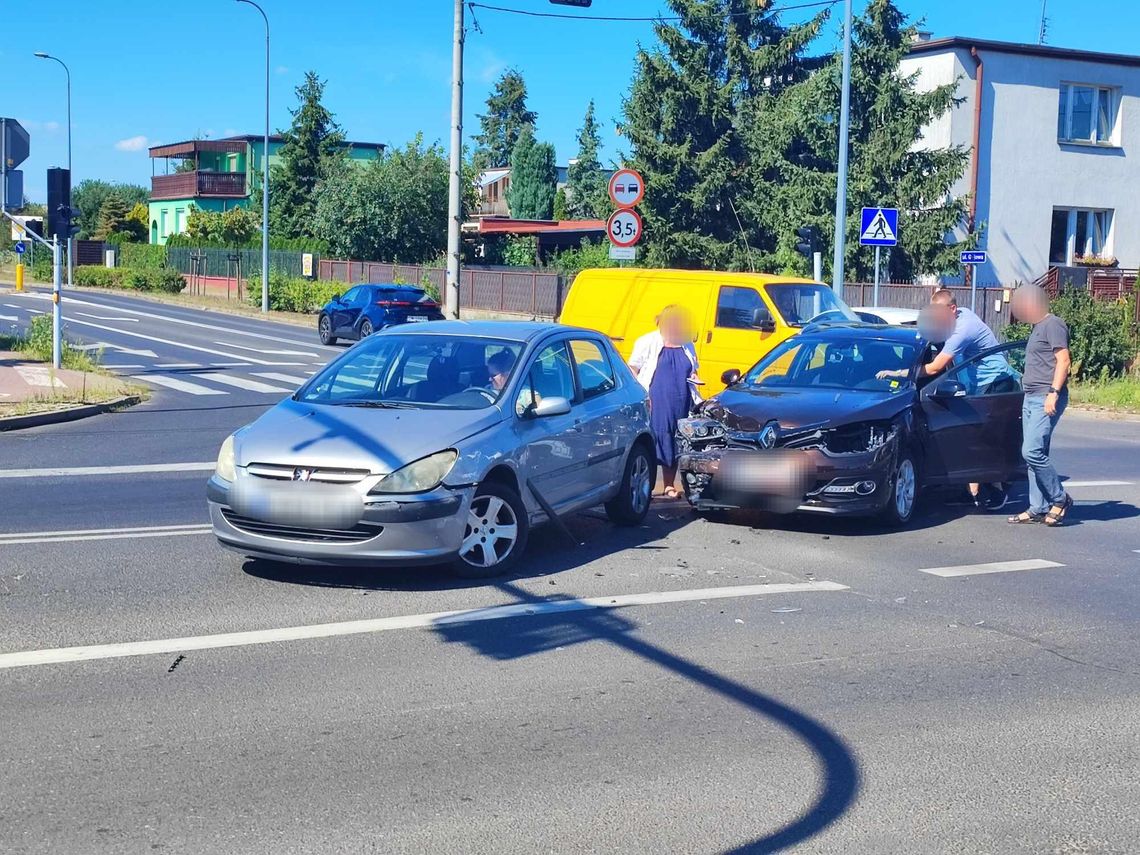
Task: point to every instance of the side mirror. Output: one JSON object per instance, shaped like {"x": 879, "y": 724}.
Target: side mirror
{"x": 336, "y": 298}
{"x": 550, "y": 407}
{"x": 949, "y": 389}
{"x": 762, "y": 321}
{"x": 731, "y": 377}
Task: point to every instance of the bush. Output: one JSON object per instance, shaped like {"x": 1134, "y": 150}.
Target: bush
{"x": 1102, "y": 338}
{"x": 142, "y": 256}
{"x": 135, "y": 280}
{"x": 37, "y": 344}
{"x": 571, "y": 262}
{"x": 294, "y": 293}
{"x": 97, "y": 276}
{"x": 166, "y": 281}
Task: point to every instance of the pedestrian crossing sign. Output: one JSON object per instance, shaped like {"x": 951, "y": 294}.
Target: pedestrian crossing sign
{"x": 879, "y": 227}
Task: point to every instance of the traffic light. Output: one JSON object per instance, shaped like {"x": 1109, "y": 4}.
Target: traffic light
{"x": 59, "y": 213}
{"x": 808, "y": 241}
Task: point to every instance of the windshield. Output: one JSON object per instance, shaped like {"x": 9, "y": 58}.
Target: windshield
{"x": 800, "y": 303}
{"x": 812, "y": 362}
{"x": 416, "y": 371}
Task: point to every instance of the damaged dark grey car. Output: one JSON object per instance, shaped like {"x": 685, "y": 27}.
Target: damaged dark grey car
{"x": 838, "y": 421}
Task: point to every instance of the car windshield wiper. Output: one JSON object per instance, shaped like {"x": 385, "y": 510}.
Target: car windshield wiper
{"x": 378, "y": 405}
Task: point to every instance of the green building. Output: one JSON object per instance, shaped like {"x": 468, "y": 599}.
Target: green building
{"x": 215, "y": 175}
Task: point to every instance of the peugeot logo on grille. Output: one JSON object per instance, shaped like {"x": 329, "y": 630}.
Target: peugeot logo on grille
{"x": 768, "y": 436}
{"x": 302, "y": 474}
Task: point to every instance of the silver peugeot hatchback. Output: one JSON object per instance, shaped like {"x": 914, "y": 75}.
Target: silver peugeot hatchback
{"x": 438, "y": 442}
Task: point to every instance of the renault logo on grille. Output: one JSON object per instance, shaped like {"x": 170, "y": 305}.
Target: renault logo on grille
{"x": 302, "y": 474}
{"x": 768, "y": 436}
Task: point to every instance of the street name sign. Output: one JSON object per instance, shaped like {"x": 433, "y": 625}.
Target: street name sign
{"x": 972, "y": 256}
{"x": 879, "y": 227}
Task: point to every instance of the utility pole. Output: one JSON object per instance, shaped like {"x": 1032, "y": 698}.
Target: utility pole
{"x": 70, "y": 240}
{"x": 455, "y": 183}
{"x": 844, "y": 135}
{"x": 264, "y": 173}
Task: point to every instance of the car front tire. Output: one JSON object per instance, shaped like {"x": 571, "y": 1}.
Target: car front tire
{"x": 496, "y": 533}
{"x": 631, "y": 504}
{"x": 324, "y": 330}
{"x": 904, "y": 484}
{"x": 366, "y": 329}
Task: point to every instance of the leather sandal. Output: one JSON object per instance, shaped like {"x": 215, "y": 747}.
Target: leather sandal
{"x": 1025, "y": 517}
{"x": 1056, "y": 515}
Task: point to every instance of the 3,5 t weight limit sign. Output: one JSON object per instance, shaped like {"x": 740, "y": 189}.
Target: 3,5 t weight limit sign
{"x": 624, "y": 228}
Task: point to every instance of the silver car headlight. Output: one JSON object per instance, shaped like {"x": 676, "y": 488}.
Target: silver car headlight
{"x": 226, "y": 468}
{"x": 419, "y": 477}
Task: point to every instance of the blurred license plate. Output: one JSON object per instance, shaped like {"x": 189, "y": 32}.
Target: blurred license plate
{"x": 416, "y": 319}
{"x": 774, "y": 480}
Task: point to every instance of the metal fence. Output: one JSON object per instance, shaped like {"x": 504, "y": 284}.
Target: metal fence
{"x": 217, "y": 261}
{"x": 990, "y": 303}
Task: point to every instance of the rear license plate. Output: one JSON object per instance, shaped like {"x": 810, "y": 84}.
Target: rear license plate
{"x": 416, "y": 319}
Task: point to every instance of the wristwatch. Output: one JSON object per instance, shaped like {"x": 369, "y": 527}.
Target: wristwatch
{"x": 1053, "y": 391}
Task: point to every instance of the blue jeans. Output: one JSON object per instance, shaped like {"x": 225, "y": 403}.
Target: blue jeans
{"x": 1045, "y": 488}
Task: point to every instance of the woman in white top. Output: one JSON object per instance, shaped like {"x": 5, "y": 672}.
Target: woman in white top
{"x": 666, "y": 365}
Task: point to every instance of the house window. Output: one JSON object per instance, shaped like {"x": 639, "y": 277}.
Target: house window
{"x": 1079, "y": 232}
{"x": 1087, "y": 114}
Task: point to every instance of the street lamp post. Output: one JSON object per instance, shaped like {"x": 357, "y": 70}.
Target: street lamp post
{"x": 264, "y": 172}
{"x": 455, "y": 178}
{"x": 844, "y": 135}
{"x": 42, "y": 55}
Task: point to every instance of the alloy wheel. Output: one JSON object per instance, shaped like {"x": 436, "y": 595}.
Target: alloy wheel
{"x": 905, "y": 486}
{"x": 640, "y": 484}
{"x": 491, "y": 533}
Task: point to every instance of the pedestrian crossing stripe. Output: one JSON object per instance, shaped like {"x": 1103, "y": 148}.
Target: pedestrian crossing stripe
{"x": 878, "y": 230}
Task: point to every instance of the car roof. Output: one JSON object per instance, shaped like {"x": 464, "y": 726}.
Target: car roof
{"x": 387, "y": 285}
{"x": 521, "y": 331}
{"x": 849, "y": 330}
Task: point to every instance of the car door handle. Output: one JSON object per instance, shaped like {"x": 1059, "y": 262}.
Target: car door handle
{"x": 708, "y": 337}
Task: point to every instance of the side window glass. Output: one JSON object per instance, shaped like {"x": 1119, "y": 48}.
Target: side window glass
{"x": 350, "y": 296}
{"x": 549, "y": 376}
{"x": 740, "y": 308}
{"x": 592, "y": 364}
{"x": 997, "y": 373}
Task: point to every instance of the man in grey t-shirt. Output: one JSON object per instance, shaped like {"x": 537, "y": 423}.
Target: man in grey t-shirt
{"x": 1047, "y": 361}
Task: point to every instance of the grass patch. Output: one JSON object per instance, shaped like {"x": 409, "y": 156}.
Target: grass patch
{"x": 65, "y": 400}
{"x": 1121, "y": 395}
{"x": 37, "y": 344}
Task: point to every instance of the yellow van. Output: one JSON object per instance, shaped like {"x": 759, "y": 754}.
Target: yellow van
{"x": 738, "y": 317}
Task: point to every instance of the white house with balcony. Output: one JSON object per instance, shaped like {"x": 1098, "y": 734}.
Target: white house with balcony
{"x": 1054, "y": 136}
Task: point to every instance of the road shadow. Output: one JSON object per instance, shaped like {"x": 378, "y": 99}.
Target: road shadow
{"x": 1096, "y": 512}
{"x": 532, "y": 635}
{"x": 547, "y": 553}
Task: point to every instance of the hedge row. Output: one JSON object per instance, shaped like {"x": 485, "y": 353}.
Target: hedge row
{"x": 142, "y": 256}
{"x": 294, "y": 293}
{"x": 135, "y": 279}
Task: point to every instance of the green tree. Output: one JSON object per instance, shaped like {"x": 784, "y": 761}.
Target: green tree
{"x": 888, "y": 165}
{"x": 587, "y": 182}
{"x": 502, "y": 124}
{"x": 561, "y": 205}
{"x": 393, "y": 209}
{"x": 312, "y": 148}
{"x": 112, "y": 217}
{"x": 88, "y": 196}
{"x": 694, "y": 101}
{"x": 534, "y": 178}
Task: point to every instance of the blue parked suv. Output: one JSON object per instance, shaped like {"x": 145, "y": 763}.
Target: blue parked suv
{"x": 364, "y": 309}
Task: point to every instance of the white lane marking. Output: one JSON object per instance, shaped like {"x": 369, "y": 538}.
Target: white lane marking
{"x": 80, "y": 471}
{"x": 13, "y": 306}
{"x": 122, "y": 367}
{"x": 244, "y": 383}
{"x": 34, "y": 312}
{"x": 229, "y": 365}
{"x": 265, "y": 350}
{"x": 181, "y": 344}
{"x": 173, "y": 320}
{"x": 102, "y": 534}
{"x": 284, "y": 378}
{"x": 53, "y": 656}
{"x": 991, "y": 567}
{"x": 38, "y": 375}
{"x": 1097, "y": 484}
{"x": 178, "y": 365}
{"x": 8, "y": 318}
{"x": 105, "y": 317}
{"x": 179, "y": 385}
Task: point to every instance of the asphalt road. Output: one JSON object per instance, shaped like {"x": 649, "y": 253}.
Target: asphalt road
{"x": 684, "y": 687}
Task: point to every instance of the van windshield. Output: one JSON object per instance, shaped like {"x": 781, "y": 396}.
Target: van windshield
{"x": 801, "y": 303}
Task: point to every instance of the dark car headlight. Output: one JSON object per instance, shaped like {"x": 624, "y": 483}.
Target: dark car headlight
{"x": 700, "y": 429}
{"x": 859, "y": 438}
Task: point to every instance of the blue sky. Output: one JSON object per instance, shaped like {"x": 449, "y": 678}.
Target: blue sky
{"x": 150, "y": 73}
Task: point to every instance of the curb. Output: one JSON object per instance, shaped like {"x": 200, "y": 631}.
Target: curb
{"x": 69, "y": 414}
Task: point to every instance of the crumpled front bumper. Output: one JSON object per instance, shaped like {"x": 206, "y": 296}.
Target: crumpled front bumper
{"x": 858, "y": 483}
{"x": 389, "y": 530}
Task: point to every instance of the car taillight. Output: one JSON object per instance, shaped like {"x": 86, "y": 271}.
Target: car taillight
{"x": 393, "y": 303}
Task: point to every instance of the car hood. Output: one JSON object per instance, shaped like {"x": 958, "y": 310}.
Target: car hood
{"x": 796, "y": 409}
{"x": 337, "y": 437}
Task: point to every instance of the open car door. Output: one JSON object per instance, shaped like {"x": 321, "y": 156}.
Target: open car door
{"x": 973, "y": 418}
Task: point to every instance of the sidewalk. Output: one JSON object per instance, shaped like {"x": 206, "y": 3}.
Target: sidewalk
{"x": 29, "y": 387}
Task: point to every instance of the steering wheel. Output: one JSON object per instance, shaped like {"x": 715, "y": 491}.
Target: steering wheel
{"x": 839, "y": 315}
{"x": 458, "y": 397}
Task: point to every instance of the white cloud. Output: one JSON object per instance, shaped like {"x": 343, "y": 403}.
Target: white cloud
{"x": 51, "y": 127}
{"x": 282, "y": 69}
{"x": 132, "y": 143}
